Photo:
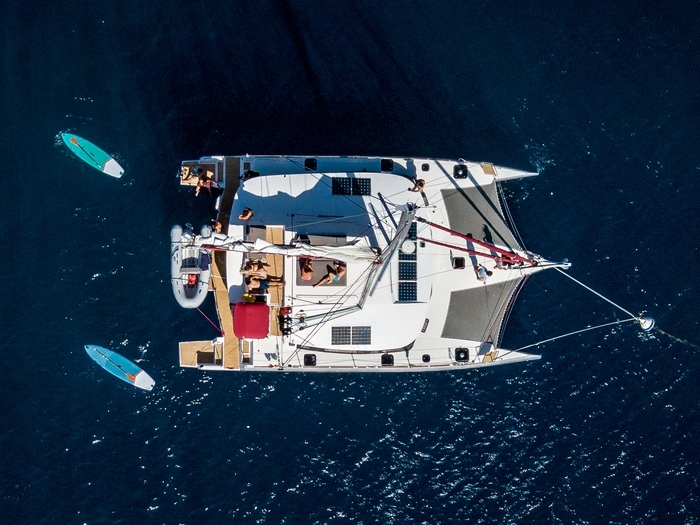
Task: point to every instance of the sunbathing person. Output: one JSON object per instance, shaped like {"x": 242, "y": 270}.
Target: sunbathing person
{"x": 334, "y": 274}
{"x": 307, "y": 268}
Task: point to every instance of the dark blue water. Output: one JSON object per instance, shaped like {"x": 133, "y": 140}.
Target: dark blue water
{"x": 601, "y": 98}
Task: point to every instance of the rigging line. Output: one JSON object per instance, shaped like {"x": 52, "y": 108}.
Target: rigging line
{"x": 596, "y": 293}
{"x": 511, "y": 303}
{"x": 210, "y": 321}
{"x": 332, "y": 219}
{"x": 511, "y": 222}
{"x": 340, "y": 304}
{"x": 570, "y": 334}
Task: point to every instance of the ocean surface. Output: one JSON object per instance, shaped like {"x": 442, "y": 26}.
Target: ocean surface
{"x": 600, "y": 97}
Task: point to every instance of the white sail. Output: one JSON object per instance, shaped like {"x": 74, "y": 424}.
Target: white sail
{"x": 356, "y": 250}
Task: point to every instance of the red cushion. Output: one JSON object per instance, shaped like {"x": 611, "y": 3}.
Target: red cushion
{"x": 251, "y": 320}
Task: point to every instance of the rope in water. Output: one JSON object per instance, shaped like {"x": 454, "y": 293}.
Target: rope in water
{"x": 212, "y": 323}
{"x": 574, "y": 333}
{"x": 599, "y": 295}
{"x": 677, "y": 339}
{"x": 633, "y": 317}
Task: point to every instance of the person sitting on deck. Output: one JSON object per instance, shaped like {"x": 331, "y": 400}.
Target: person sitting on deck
{"x": 256, "y": 283}
{"x": 307, "y": 268}
{"x": 506, "y": 263}
{"x": 418, "y": 185}
{"x": 334, "y": 274}
{"x": 203, "y": 181}
{"x": 246, "y": 214}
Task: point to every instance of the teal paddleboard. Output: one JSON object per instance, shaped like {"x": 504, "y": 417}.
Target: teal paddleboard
{"x": 92, "y": 155}
{"x": 120, "y": 366}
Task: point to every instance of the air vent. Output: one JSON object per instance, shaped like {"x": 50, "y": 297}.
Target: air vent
{"x": 461, "y": 171}
{"x": 461, "y": 355}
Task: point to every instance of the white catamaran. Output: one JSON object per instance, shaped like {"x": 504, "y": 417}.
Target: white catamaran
{"x": 355, "y": 264}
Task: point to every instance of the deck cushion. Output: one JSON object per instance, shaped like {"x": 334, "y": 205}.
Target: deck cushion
{"x": 251, "y": 320}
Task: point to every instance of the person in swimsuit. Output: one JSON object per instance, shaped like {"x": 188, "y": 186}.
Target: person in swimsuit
{"x": 334, "y": 274}
{"x": 307, "y": 269}
{"x": 203, "y": 181}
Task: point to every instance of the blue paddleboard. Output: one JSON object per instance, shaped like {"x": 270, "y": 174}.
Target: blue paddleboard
{"x": 120, "y": 366}
{"x": 92, "y": 155}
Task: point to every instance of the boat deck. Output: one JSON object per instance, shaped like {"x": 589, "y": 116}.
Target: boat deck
{"x": 227, "y": 353}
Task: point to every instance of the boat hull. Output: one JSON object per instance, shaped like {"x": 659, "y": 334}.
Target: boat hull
{"x": 119, "y": 366}
{"x": 92, "y": 155}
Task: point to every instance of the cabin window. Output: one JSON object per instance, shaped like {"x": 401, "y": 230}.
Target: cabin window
{"x": 351, "y": 186}
{"x": 351, "y": 335}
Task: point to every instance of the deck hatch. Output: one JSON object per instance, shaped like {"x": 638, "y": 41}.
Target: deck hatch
{"x": 351, "y": 186}
{"x": 351, "y": 335}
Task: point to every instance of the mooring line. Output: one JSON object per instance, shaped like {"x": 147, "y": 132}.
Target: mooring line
{"x": 677, "y": 339}
{"x": 599, "y": 295}
{"x": 574, "y": 333}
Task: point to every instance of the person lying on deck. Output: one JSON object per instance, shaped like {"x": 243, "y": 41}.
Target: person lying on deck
{"x": 334, "y": 274}
{"x": 307, "y": 268}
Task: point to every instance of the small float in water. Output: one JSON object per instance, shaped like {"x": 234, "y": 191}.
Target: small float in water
{"x": 120, "y": 366}
{"x": 92, "y": 155}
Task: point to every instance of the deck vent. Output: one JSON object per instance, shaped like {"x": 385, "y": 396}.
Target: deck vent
{"x": 387, "y": 165}
{"x": 426, "y": 358}
{"x": 387, "y": 360}
{"x": 425, "y": 167}
{"x": 310, "y": 164}
{"x": 309, "y": 359}
{"x": 461, "y": 354}
{"x": 461, "y": 171}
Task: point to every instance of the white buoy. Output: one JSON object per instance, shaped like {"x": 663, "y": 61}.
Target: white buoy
{"x": 647, "y": 323}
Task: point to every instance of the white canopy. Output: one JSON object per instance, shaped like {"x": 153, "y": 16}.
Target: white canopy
{"x": 356, "y": 250}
